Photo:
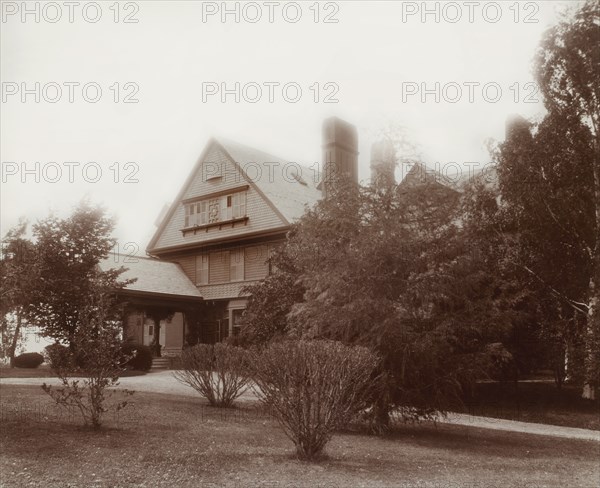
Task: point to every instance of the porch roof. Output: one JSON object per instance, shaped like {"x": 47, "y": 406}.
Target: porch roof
{"x": 154, "y": 278}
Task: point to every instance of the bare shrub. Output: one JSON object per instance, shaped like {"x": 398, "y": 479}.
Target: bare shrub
{"x": 313, "y": 388}
{"x": 217, "y": 371}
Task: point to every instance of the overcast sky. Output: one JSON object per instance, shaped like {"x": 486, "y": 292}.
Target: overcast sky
{"x": 375, "y": 57}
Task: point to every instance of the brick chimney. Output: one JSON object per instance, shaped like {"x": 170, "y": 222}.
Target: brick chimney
{"x": 515, "y": 124}
{"x": 340, "y": 152}
{"x": 383, "y": 163}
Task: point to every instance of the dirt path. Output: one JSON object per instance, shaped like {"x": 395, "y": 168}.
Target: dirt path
{"x": 164, "y": 382}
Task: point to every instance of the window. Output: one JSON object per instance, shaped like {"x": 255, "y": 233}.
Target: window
{"x": 272, "y": 251}
{"x": 239, "y": 205}
{"x": 233, "y": 206}
{"x": 196, "y": 214}
{"x": 212, "y": 171}
{"x": 256, "y": 262}
{"x": 236, "y": 265}
{"x": 236, "y": 319}
{"x": 202, "y": 269}
{"x": 221, "y": 209}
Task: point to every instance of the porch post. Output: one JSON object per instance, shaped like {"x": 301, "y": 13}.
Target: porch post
{"x": 155, "y": 346}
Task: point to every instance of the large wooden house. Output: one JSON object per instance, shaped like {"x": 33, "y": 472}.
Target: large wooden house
{"x": 233, "y": 210}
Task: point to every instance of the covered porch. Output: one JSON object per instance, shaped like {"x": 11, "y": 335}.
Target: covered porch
{"x": 158, "y": 305}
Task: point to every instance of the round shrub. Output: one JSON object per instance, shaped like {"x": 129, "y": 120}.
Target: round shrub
{"x": 58, "y": 356}
{"x": 140, "y": 357}
{"x": 29, "y": 360}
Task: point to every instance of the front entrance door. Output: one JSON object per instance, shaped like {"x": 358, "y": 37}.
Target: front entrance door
{"x": 149, "y": 332}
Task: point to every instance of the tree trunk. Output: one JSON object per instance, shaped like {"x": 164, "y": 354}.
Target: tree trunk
{"x": 592, "y": 327}
{"x": 591, "y": 343}
{"x": 15, "y": 341}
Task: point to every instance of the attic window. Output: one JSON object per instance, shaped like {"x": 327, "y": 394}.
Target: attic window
{"x": 299, "y": 179}
{"x": 220, "y": 208}
{"x": 212, "y": 171}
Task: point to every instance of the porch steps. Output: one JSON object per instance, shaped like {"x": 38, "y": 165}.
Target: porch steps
{"x": 160, "y": 363}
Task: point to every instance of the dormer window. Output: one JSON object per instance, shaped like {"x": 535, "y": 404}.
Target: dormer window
{"x": 299, "y": 179}
{"x": 212, "y": 171}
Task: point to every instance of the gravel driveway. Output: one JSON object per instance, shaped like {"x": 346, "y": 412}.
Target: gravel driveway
{"x": 154, "y": 382}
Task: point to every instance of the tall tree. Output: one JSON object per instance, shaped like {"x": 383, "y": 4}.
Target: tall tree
{"x": 67, "y": 271}
{"x": 548, "y": 200}
{"x": 387, "y": 267}
{"x": 550, "y": 177}
{"x": 16, "y": 277}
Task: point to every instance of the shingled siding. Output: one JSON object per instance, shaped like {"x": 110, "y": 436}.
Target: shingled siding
{"x": 188, "y": 265}
{"x": 256, "y": 265}
{"x": 218, "y": 267}
{"x": 225, "y": 290}
{"x": 261, "y": 215}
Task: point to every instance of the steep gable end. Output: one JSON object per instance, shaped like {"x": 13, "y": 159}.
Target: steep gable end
{"x": 217, "y": 202}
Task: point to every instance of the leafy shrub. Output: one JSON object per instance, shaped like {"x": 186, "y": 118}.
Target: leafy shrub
{"x": 28, "y": 360}
{"x": 99, "y": 359}
{"x": 501, "y": 364}
{"x": 140, "y": 357}
{"x": 218, "y": 372}
{"x": 57, "y": 355}
{"x": 312, "y": 388}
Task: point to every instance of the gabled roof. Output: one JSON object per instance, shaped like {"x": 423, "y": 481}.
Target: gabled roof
{"x": 419, "y": 174}
{"x": 488, "y": 176}
{"x": 289, "y": 194}
{"x": 153, "y": 276}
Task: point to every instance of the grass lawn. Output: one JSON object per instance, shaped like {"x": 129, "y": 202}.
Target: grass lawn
{"x": 44, "y": 371}
{"x": 180, "y": 441}
{"x": 538, "y": 402}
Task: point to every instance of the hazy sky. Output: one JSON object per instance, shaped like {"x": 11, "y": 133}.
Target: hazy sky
{"x": 376, "y": 56}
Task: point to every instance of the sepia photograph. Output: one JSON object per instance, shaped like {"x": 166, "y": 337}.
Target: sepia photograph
{"x": 300, "y": 244}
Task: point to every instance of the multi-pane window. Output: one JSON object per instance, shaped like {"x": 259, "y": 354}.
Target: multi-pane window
{"x": 236, "y": 320}
{"x": 202, "y": 269}
{"x": 222, "y": 209}
{"x": 233, "y": 206}
{"x": 196, "y": 214}
{"x": 236, "y": 265}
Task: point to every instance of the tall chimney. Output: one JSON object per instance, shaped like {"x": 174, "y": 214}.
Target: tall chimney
{"x": 383, "y": 163}
{"x": 340, "y": 152}
{"x": 515, "y": 124}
